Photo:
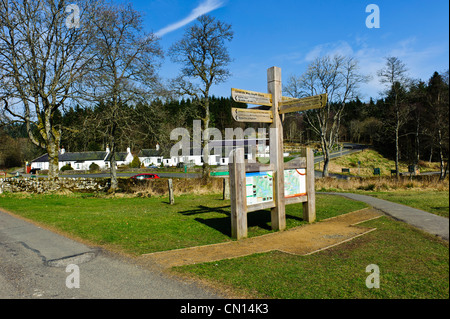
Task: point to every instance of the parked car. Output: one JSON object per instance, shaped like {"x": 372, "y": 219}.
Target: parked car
{"x": 145, "y": 176}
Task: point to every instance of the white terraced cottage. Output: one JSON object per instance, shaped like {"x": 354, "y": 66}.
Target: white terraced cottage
{"x": 82, "y": 160}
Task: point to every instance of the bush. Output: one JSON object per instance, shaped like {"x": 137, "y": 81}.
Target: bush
{"x": 66, "y": 167}
{"x": 94, "y": 167}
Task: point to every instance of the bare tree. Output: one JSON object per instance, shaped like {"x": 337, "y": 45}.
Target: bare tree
{"x": 437, "y": 99}
{"x": 394, "y": 75}
{"x": 41, "y": 60}
{"x": 205, "y": 58}
{"x": 125, "y": 73}
{"x": 337, "y": 76}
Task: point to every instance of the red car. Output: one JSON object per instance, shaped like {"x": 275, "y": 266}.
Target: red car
{"x": 145, "y": 176}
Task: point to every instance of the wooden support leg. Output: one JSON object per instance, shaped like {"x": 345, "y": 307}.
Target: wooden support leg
{"x": 238, "y": 196}
{"x": 309, "y": 207}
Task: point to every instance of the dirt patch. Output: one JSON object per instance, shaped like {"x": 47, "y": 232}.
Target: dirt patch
{"x": 303, "y": 240}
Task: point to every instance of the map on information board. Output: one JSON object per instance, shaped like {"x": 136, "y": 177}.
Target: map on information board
{"x": 259, "y": 185}
{"x": 294, "y": 182}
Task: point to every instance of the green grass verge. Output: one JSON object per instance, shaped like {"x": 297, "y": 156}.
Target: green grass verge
{"x": 435, "y": 202}
{"x": 144, "y": 225}
{"x": 412, "y": 265}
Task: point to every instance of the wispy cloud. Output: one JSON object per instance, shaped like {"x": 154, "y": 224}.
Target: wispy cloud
{"x": 336, "y": 48}
{"x": 204, "y": 7}
{"x": 421, "y": 60}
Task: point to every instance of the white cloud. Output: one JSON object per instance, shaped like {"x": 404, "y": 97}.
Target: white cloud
{"x": 331, "y": 49}
{"x": 204, "y": 7}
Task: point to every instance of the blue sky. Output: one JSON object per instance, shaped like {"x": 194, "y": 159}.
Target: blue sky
{"x": 291, "y": 33}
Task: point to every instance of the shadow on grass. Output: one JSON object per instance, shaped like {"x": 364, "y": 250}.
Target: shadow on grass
{"x": 255, "y": 220}
{"x": 201, "y": 209}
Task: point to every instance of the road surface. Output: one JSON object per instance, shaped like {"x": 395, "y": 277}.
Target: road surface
{"x": 33, "y": 264}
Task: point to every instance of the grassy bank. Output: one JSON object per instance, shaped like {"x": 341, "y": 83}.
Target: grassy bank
{"x": 370, "y": 159}
{"x": 425, "y": 192}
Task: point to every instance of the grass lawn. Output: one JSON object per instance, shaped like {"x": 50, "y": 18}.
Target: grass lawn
{"x": 144, "y": 225}
{"x": 435, "y": 202}
{"x": 412, "y": 265}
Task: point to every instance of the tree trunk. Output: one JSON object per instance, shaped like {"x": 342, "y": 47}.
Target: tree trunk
{"x": 397, "y": 129}
{"x": 52, "y": 139}
{"x": 417, "y": 141}
{"x": 112, "y": 166}
{"x": 206, "y": 168}
{"x": 396, "y": 151}
{"x": 441, "y": 156}
{"x": 326, "y": 157}
{"x": 53, "y": 160}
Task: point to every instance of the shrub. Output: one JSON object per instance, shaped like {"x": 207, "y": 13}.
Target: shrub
{"x": 66, "y": 167}
{"x": 94, "y": 167}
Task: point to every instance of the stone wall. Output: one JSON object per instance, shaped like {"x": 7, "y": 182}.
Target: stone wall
{"x": 42, "y": 185}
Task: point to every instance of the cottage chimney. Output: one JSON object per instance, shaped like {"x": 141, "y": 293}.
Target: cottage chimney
{"x": 157, "y": 146}
{"x": 62, "y": 150}
{"x": 107, "y": 149}
{"x": 128, "y": 150}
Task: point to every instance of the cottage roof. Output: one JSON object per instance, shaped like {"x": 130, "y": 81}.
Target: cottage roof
{"x": 149, "y": 153}
{"x": 83, "y": 156}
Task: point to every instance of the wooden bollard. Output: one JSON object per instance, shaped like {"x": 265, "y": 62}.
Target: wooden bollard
{"x": 171, "y": 199}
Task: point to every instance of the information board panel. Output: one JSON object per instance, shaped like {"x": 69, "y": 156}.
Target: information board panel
{"x": 259, "y": 185}
{"x": 294, "y": 182}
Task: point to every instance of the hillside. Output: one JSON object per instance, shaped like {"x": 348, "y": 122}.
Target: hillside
{"x": 371, "y": 159}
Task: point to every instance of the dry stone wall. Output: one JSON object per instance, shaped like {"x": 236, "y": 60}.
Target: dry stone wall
{"x": 42, "y": 185}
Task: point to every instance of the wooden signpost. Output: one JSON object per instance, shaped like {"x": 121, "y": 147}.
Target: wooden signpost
{"x": 245, "y": 178}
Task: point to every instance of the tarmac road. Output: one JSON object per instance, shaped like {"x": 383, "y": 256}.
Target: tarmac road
{"x": 33, "y": 264}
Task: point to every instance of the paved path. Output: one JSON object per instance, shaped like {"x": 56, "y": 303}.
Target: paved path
{"x": 33, "y": 264}
{"x": 430, "y": 223}
{"x": 302, "y": 240}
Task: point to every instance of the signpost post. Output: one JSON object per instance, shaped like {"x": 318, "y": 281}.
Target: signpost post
{"x": 275, "y": 171}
